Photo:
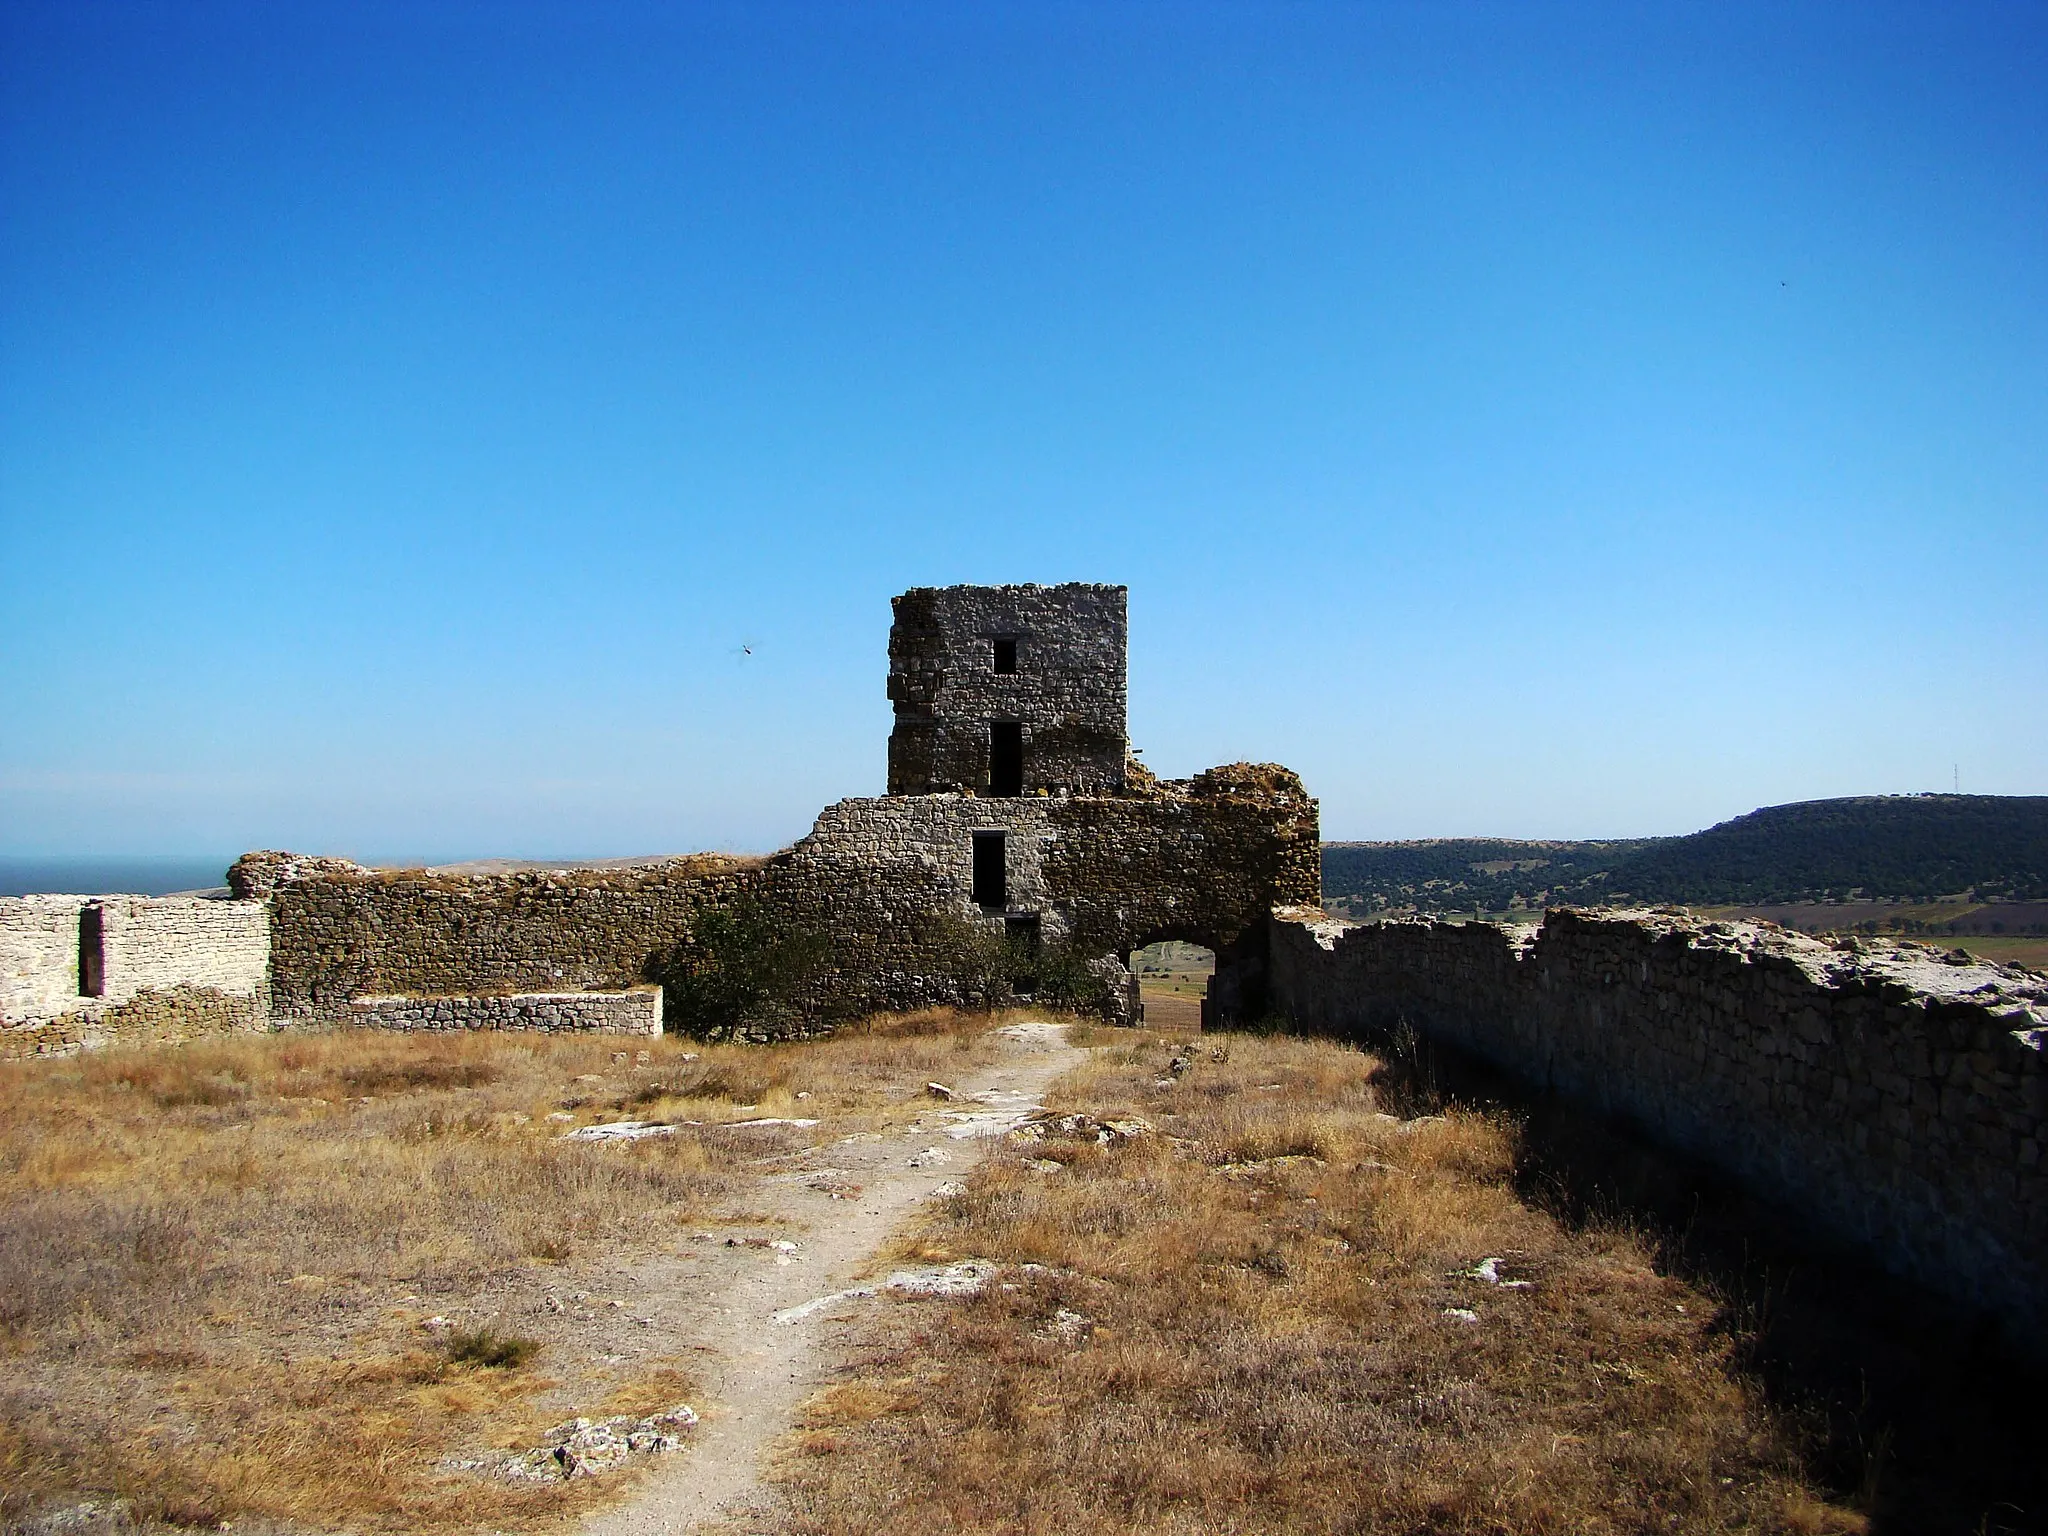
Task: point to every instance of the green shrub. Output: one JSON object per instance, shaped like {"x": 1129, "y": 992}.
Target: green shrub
{"x": 739, "y": 961}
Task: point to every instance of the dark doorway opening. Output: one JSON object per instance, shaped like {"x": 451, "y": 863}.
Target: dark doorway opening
{"x": 1005, "y": 757}
{"x": 991, "y": 869}
{"x": 92, "y": 952}
{"x": 1020, "y": 934}
{"x": 1005, "y": 656}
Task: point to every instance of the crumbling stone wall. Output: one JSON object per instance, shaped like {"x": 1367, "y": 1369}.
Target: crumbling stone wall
{"x": 1898, "y": 1097}
{"x": 1100, "y": 858}
{"x": 1067, "y": 692}
{"x": 635, "y": 1012}
{"x": 339, "y": 931}
{"x": 152, "y": 1017}
{"x": 879, "y": 880}
{"x": 1202, "y": 859}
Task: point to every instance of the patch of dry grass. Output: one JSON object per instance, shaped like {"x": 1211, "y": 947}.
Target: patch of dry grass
{"x": 1271, "y": 1316}
{"x": 215, "y": 1259}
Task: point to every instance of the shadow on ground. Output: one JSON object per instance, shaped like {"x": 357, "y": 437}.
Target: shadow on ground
{"x": 1913, "y": 1409}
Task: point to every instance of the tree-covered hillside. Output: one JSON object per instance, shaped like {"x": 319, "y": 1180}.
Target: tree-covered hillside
{"x": 1459, "y": 874}
{"x": 1875, "y": 847}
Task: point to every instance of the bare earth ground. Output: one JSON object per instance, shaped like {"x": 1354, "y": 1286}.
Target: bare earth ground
{"x": 771, "y": 1352}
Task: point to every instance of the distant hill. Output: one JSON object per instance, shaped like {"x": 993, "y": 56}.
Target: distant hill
{"x": 1871, "y": 848}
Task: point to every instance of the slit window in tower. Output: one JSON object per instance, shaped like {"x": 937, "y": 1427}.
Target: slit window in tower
{"x": 991, "y": 869}
{"x": 1005, "y": 757}
{"x": 92, "y": 952}
{"x": 1005, "y": 656}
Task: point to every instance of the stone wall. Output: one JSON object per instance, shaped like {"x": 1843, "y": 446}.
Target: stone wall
{"x": 38, "y": 957}
{"x": 171, "y": 966}
{"x": 1203, "y": 859}
{"x": 166, "y": 1017}
{"x": 885, "y": 883}
{"x": 339, "y": 931}
{"x": 634, "y": 1012}
{"x": 1067, "y": 692}
{"x": 1896, "y": 1096}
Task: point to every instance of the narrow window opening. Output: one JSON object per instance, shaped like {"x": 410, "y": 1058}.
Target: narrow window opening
{"x": 92, "y": 952}
{"x": 991, "y": 869}
{"x": 1006, "y": 656}
{"x": 1005, "y": 757}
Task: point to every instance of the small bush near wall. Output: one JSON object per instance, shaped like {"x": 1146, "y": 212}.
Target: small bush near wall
{"x": 989, "y": 969}
{"x": 740, "y": 961}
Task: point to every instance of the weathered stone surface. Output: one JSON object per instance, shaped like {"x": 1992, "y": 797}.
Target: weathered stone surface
{"x": 1067, "y": 645}
{"x": 339, "y": 931}
{"x": 634, "y": 1012}
{"x": 1897, "y": 1095}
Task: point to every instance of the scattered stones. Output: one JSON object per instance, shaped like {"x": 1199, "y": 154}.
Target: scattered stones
{"x": 639, "y": 1130}
{"x": 1488, "y": 1270}
{"x": 620, "y": 1130}
{"x": 931, "y": 1157}
{"x": 1462, "y": 1314}
{"x": 1080, "y": 1127}
{"x": 969, "y": 1278}
{"x": 1066, "y": 1327}
{"x": 1001, "y": 1112}
{"x": 588, "y": 1447}
{"x": 949, "y": 1190}
{"x": 1269, "y": 1165}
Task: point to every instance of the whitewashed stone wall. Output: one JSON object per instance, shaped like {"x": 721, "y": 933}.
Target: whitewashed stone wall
{"x": 173, "y": 967}
{"x": 156, "y": 943}
{"x": 150, "y": 944}
{"x": 38, "y": 957}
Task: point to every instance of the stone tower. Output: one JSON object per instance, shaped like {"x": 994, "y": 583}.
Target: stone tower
{"x": 1005, "y": 691}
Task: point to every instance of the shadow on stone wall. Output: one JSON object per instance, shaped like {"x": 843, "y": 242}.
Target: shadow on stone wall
{"x": 1916, "y": 1408}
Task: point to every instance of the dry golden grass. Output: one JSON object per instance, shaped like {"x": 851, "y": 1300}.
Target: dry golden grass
{"x": 215, "y": 1259}
{"x": 1248, "y": 1322}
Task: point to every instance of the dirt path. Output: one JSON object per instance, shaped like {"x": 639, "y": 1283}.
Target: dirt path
{"x": 765, "y": 1350}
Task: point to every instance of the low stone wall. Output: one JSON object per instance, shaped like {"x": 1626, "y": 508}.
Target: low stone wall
{"x": 339, "y": 931}
{"x": 169, "y": 1017}
{"x": 634, "y": 1012}
{"x": 1897, "y": 1096}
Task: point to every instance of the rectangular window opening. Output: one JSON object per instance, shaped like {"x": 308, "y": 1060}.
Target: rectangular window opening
{"x": 991, "y": 869}
{"x": 1006, "y": 656}
{"x": 1005, "y": 757}
{"x": 92, "y": 952}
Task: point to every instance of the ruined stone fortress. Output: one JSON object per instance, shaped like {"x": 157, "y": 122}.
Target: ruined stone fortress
{"x": 1014, "y": 813}
{"x": 1895, "y": 1096}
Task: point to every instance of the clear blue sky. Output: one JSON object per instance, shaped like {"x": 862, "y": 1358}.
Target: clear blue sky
{"x": 1538, "y": 420}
